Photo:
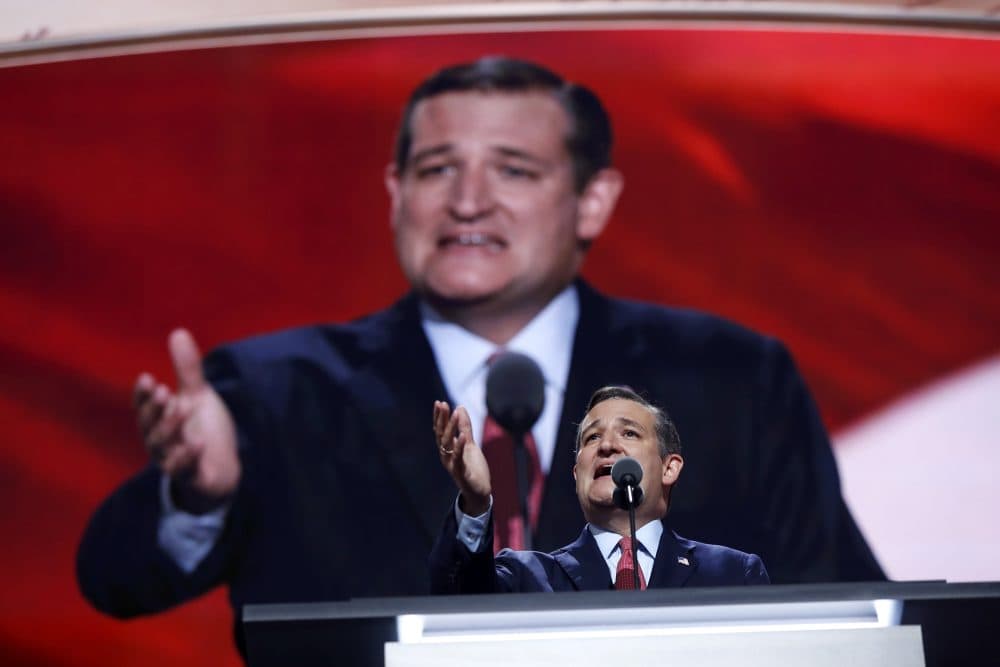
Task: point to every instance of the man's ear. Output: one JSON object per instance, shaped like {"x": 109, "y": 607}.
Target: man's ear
{"x": 672, "y": 466}
{"x": 392, "y": 186}
{"x": 597, "y": 203}
{"x": 574, "y": 472}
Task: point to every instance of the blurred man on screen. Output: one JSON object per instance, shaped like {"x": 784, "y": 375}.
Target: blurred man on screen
{"x": 290, "y": 465}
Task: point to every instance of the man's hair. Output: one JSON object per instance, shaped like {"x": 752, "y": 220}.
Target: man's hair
{"x": 589, "y": 137}
{"x": 667, "y": 437}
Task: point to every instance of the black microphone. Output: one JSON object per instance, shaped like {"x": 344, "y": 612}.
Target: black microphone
{"x": 515, "y": 396}
{"x": 626, "y": 473}
{"x": 515, "y": 392}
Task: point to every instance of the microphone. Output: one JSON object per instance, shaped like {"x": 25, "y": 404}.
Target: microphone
{"x": 626, "y": 473}
{"x": 515, "y": 396}
{"x": 515, "y": 392}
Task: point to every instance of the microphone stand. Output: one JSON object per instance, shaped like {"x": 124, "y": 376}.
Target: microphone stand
{"x": 635, "y": 543}
{"x": 523, "y": 488}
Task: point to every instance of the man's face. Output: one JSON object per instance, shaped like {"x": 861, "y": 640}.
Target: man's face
{"x": 612, "y": 429}
{"x": 485, "y": 210}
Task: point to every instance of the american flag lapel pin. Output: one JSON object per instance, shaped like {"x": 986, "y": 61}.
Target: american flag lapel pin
{"x": 683, "y": 560}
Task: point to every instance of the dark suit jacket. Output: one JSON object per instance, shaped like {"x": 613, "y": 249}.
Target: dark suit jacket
{"x": 579, "y": 566}
{"x": 341, "y": 473}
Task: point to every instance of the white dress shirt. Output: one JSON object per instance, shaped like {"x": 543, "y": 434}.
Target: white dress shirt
{"x": 648, "y": 538}
{"x": 462, "y": 358}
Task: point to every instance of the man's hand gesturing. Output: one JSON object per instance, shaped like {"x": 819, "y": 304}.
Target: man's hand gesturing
{"x": 189, "y": 433}
{"x": 462, "y": 457}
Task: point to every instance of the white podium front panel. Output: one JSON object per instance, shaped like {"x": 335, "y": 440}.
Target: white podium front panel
{"x": 900, "y": 646}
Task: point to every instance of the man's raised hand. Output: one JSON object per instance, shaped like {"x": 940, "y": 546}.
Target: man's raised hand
{"x": 188, "y": 432}
{"x": 462, "y": 458}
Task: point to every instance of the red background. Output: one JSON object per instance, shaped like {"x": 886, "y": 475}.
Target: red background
{"x": 840, "y": 190}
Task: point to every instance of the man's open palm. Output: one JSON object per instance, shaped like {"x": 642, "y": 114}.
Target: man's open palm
{"x": 188, "y": 432}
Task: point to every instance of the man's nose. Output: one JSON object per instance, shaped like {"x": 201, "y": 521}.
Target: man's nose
{"x": 610, "y": 445}
{"x": 471, "y": 195}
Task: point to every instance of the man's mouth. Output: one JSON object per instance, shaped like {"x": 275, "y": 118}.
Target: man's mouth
{"x": 472, "y": 240}
{"x": 602, "y": 471}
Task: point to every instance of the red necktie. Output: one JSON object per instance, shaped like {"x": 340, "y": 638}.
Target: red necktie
{"x": 498, "y": 446}
{"x": 624, "y": 578}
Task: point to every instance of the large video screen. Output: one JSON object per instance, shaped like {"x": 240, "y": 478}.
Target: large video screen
{"x": 839, "y": 190}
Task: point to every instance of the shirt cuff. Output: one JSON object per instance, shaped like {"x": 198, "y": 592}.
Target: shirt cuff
{"x": 471, "y": 529}
{"x": 187, "y": 538}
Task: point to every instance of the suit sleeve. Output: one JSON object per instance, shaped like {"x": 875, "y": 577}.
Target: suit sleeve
{"x": 812, "y": 534}
{"x": 454, "y": 569}
{"x": 120, "y": 567}
{"x": 754, "y": 571}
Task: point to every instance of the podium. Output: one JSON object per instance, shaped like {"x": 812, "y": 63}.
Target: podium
{"x": 883, "y": 623}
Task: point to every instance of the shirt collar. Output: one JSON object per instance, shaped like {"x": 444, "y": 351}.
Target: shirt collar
{"x": 648, "y": 537}
{"x": 547, "y": 338}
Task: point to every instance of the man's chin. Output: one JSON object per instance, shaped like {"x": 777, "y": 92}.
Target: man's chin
{"x": 602, "y": 502}
{"x": 464, "y": 296}
{"x": 457, "y": 298}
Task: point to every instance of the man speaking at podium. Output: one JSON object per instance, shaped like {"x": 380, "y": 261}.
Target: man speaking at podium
{"x": 288, "y": 465}
{"x": 619, "y": 423}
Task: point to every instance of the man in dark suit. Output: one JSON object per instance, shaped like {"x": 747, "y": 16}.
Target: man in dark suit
{"x": 286, "y": 464}
{"x": 618, "y": 423}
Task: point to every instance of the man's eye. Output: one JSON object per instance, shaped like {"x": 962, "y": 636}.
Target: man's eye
{"x": 432, "y": 170}
{"x": 629, "y": 433}
{"x": 592, "y": 437}
{"x": 512, "y": 171}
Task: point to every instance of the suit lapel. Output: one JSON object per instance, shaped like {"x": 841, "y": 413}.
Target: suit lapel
{"x": 583, "y": 563}
{"x": 394, "y": 394}
{"x": 675, "y": 561}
